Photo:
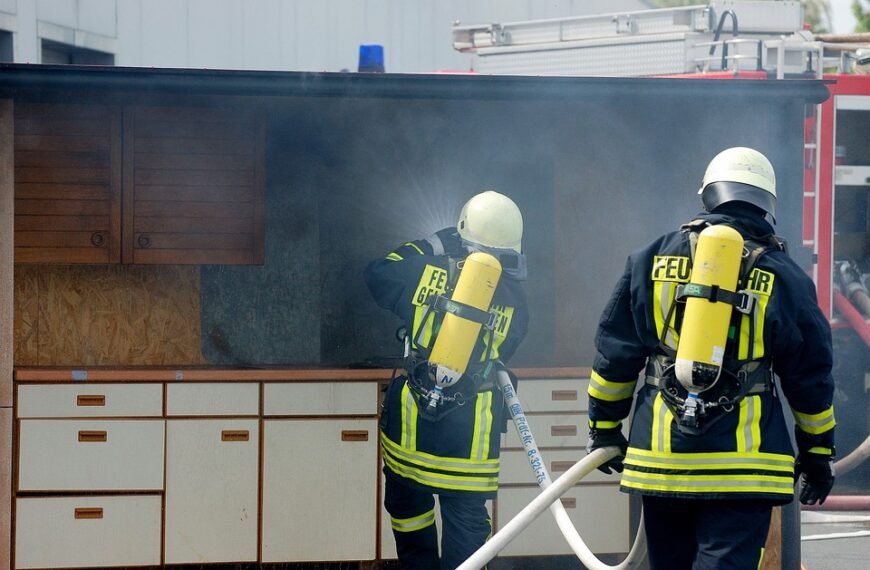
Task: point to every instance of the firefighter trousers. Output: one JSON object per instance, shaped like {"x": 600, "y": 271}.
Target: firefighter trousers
{"x": 705, "y": 534}
{"x": 465, "y": 526}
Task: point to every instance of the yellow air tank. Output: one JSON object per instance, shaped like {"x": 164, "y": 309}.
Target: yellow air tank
{"x": 705, "y": 323}
{"x": 456, "y": 338}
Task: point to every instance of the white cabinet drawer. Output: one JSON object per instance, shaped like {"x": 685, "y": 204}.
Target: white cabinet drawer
{"x": 515, "y": 467}
{"x": 563, "y": 395}
{"x": 94, "y": 400}
{"x": 320, "y": 398}
{"x": 72, "y": 532}
{"x": 90, "y": 455}
{"x": 563, "y": 430}
{"x": 213, "y": 399}
{"x": 599, "y": 512}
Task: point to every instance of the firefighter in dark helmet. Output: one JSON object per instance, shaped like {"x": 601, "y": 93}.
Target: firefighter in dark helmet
{"x": 442, "y": 438}
{"x": 709, "y": 450}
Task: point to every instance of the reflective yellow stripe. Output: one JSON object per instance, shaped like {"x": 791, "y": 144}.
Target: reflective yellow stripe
{"x": 663, "y": 298}
{"x": 821, "y": 450}
{"x": 760, "y": 559}
{"x": 442, "y": 480}
{"x": 413, "y": 245}
{"x": 718, "y": 461}
{"x": 815, "y": 423}
{"x": 609, "y": 391}
{"x": 429, "y": 461}
{"x": 707, "y": 483}
{"x": 409, "y": 418}
{"x": 498, "y": 334}
{"x": 393, "y": 256}
{"x": 749, "y": 425}
{"x": 482, "y": 426}
{"x": 412, "y": 524}
{"x": 601, "y": 424}
{"x": 662, "y": 420}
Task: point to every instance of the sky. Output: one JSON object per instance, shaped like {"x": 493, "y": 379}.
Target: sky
{"x": 841, "y": 14}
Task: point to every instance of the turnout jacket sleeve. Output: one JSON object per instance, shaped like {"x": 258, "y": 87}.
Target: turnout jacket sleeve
{"x": 621, "y": 355}
{"x": 802, "y": 358}
{"x": 387, "y": 278}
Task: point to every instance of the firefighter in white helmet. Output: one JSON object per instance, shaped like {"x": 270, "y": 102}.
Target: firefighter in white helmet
{"x": 709, "y": 450}
{"x": 442, "y": 438}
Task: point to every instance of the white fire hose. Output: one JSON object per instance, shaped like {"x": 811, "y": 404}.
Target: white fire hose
{"x": 549, "y": 497}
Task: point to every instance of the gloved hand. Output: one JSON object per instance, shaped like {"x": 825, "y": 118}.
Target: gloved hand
{"x": 451, "y": 241}
{"x": 599, "y": 438}
{"x": 816, "y": 473}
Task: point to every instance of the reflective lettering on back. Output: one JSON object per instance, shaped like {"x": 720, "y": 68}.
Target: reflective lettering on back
{"x": 671, "y": 268}
{"x": 432, "y": 282}
{"x": 760, "y": 281}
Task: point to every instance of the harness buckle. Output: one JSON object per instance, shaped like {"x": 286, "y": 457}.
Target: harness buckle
{"x": 746, "y": 302}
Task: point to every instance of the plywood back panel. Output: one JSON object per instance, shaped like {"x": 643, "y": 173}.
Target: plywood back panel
{"x": 107, "y": 315}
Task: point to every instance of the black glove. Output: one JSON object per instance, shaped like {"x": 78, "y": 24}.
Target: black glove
{"x": 599, "y": 438}
{"x": 816, "y": 473}
{"x": 451, "y": 241}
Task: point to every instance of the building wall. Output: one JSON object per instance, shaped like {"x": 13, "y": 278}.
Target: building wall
{"x": 288, "y": 35}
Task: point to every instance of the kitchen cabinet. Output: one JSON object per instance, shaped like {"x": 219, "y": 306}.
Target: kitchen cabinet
{"x": 138, "y": 184}
{"x": 212, "y": 473}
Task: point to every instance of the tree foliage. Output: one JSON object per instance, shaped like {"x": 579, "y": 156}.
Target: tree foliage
{"x": 861, "y": 10}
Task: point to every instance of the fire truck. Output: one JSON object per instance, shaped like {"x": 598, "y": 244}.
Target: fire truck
{"x": 745, "y": 39}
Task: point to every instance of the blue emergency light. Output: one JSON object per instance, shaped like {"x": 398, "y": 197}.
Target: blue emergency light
{"x": 371, "y": 58}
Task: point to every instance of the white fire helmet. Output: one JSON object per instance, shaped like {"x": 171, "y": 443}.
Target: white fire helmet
{"x": 491, "y": 220}
{"x": 740, "y": 174}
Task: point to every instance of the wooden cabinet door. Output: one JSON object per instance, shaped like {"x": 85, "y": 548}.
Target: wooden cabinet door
{"x": 193, "y": 182}
{"x": 319, "y": 490}
{"x": 212, "y": 488}
{"x": 67, "y": 183}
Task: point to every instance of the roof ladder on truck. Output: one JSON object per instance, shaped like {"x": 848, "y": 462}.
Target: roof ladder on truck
{"x": 722, "y": 35}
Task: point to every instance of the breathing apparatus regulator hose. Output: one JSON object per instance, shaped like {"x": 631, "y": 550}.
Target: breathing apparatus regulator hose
{"x": 549, "y": 498}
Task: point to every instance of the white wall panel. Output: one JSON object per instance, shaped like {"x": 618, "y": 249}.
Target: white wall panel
{"x": 98, "y": 17}
{"x": 211, "y": 33}
{"x": 60, "y": 12}
{"x": 165, "y": 36}
{"x": 9, "y": 6}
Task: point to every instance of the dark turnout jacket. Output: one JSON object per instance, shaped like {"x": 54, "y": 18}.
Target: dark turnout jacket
{"x": 748, "y": 452}
{"x": 459, "y": 452}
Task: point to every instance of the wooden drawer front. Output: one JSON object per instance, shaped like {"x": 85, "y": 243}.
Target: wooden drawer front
{"x": 193, "y": 185}
{"x": 515, "y": 467}
{"x": 603, "y": 534}
{"x": 320, "y": 398}
{"x": 564, "y": 430}
{"x": 70, "y": 532}
{"x": 67, "y": 183}
{"x": 554, "y": 395}
{"x": 80, "y": 455}
{"x": 239, "y": 399}
{"x": 97, "y": 400}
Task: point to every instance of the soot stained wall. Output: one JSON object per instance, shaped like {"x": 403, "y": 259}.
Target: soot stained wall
{"x": 349, "y": 179}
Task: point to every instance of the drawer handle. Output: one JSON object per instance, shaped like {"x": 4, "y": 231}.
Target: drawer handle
{"x": 354, "y": 435}
{"x": 561, "y": 466}
{"x": 558, "y": 395}
{"x": 235, "y": 435}
{"x": 569, "y": 502}
{"x": 91, "y": 400}
{"x": 88, "y": 436}
{"x": 563, "y": 430}
{"x": 89, "y": 513}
